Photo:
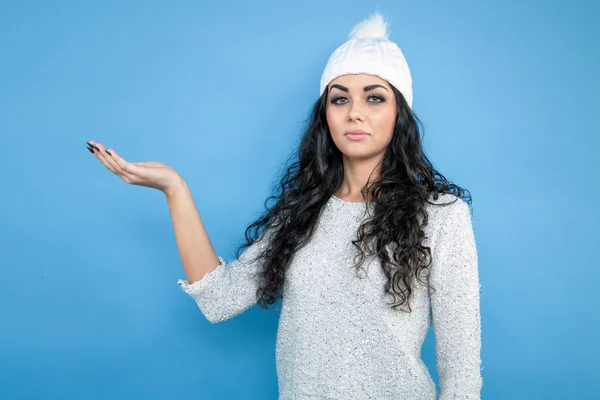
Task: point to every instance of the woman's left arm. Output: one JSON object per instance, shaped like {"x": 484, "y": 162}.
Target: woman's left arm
{"x": 455, "y": 304}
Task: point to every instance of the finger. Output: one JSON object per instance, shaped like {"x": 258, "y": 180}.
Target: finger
{"x": 94, "y": 149}
{"x": 127, "y": 171}
{"x": 108, "y": 154}
{"x": 149, "y": 164}
{"x": 120, "y": 163}
{"x": 103, "y": 157}
{"x": 93, "y": 144}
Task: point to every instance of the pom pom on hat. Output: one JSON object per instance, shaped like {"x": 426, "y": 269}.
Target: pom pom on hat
{"x": 369, "y": 51}
{"x": 372, "y": 27}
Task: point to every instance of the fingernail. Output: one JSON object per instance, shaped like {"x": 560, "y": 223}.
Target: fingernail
{"x": 95, "y": 147}
{"x": 91, "y": 150}
{"x": 108, "y": 152}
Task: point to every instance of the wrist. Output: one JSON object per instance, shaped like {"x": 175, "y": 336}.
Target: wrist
{"x": 176, "y": 185}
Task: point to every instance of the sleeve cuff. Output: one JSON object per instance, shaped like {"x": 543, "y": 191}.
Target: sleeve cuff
{"x": 193, "y": 289}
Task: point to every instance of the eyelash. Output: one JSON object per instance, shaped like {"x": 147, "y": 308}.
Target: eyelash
{"x": 381, "y": 99}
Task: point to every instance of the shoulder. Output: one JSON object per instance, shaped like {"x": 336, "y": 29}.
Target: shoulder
{"x": 446, "y": 204}
{"x": 448, "y": 211}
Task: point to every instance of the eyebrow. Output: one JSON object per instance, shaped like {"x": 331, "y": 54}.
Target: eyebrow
{"x": 366, "y": 88}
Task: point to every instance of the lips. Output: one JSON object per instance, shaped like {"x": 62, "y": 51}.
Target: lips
{"x": 356, "y": 132}
{"x": 356, "y": 135}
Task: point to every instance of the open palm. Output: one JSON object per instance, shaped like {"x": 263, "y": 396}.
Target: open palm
{"x": 148, "y": 173}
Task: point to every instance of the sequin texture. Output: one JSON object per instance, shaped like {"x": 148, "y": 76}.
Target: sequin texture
{"x": 338, "y": 338}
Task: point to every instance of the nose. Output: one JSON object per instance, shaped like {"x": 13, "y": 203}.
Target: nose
{"x": 356, "y": 112}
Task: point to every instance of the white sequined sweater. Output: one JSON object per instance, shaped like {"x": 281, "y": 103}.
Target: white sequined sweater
{"x": 337, "y": 338}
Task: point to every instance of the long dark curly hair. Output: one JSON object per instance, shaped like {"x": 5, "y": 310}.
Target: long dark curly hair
{"x": 407, "y": 180}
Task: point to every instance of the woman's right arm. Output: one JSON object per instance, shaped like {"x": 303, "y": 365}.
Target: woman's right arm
{"x": 195, "y": 249}
{"x": 221, "y": 290}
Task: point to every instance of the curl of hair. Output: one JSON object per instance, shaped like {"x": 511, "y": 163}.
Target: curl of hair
{"x": 407, "y": 181}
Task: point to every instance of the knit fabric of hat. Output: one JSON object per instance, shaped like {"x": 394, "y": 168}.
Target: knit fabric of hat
{"x": 369, "y": 51}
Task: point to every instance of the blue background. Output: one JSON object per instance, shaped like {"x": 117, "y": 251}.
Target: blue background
{"x": 89, "y": 304}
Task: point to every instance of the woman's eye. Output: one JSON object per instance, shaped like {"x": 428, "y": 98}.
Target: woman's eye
{"x": 378, "y": 98}
{"x": 335, "y": 100}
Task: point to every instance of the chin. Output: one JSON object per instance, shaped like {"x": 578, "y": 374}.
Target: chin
{"x": 353, "y": 153}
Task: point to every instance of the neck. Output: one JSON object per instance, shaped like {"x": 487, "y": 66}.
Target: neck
{"x": 357, "y": 174}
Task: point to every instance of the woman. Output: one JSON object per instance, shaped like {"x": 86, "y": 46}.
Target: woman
{"x": 362, "y": 218}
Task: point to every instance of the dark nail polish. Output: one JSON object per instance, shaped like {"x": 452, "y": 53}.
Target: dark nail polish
{"x": 95, "y": 147}
{"x": 108, "y": 152}
{"x": 91, "y": 150}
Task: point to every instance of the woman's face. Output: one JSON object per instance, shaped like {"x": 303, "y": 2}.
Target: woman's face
{"x": 361, "y": 102}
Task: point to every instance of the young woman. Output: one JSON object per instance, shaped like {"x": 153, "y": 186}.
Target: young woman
{"x": 366, "y": 244}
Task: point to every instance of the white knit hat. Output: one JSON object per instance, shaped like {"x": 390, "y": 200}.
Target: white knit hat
{"x": 368, "y": 51}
